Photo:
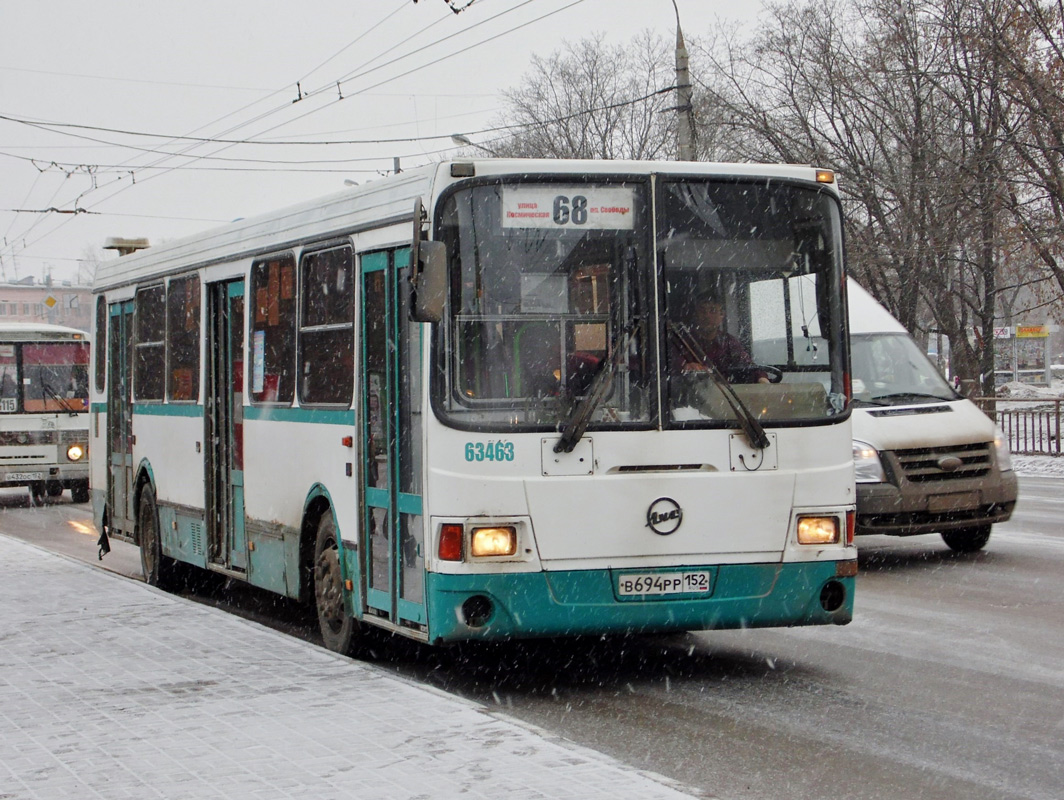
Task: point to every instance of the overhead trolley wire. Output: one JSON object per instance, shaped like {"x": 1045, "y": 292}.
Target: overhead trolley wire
{"x": 354, "y": 75}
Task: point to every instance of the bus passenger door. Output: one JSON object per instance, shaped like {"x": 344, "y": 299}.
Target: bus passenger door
{"x": 390, "y": 422}
{"x": 224, "y": 426}
{"x": 120, "y": 498}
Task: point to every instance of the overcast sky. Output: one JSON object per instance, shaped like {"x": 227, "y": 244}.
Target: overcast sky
{"x": 229, "y": 70}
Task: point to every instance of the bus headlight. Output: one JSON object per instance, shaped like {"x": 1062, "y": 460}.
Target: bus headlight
{"x": 818, "y": 530}
{"x": 501, "y": 541}
{"x": 866, "y": 464}
{"x": 1004, "y": 454}
{"x": 76, "y": 452}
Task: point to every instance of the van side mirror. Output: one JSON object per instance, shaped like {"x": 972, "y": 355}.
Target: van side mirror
{"x": 428, "y": 273}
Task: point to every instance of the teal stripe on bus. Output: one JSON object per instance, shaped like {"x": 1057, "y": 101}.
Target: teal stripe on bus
{"x": 319, "y": 416}
{"x": 167, "y": 410}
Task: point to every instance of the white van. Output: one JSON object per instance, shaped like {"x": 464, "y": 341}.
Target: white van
{"x": 927, "y": 460}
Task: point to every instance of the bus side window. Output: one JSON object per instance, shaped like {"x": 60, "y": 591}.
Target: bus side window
{"x": 273, "y": 330}
{"x": 149, "y": 370}
{"x": 326, "y": 335}
{"x": 101, "y": 342}
{"x": 183, "y": 338}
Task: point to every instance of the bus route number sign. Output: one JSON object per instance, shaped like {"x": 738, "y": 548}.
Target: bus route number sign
{"x": 568, "y": 207}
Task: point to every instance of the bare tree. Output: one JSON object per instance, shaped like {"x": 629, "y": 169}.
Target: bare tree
{"x": 593, "y": 100}
{"x": 906, "y": 99}
{"x": 943, "y": 118}
{"x": 1030, "y": 44}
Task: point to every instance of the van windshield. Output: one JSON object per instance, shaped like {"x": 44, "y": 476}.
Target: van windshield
{"x": 889, "y": 369}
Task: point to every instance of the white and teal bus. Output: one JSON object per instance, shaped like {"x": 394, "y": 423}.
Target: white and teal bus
{"x": 44, "y": 409}
{"x": 497, "y": 442}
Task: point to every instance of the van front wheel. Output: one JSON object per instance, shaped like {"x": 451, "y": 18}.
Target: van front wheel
{"x": 967, "y": 540}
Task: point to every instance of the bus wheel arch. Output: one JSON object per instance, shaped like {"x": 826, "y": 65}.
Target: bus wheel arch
{"x": 317, "y": 505}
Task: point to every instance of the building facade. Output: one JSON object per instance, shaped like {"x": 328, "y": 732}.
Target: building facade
{"x": 52, "y": 303}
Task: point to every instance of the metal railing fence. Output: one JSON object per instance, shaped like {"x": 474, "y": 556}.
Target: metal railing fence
{"x": 1031, "y": 426}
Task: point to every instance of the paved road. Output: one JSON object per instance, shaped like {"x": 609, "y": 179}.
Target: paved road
{"x": 947, "y": 685}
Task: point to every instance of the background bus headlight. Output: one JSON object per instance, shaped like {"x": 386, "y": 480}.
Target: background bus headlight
{"x": 867, "y": 466}
{"x": 818, "y": 530}
{"x": 1004, "y": 454}
{"x": 501, "y": 541}
{"x": 76, "y": 452}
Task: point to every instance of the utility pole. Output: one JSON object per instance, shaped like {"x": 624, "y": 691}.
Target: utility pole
{"x": 685, "y": 120}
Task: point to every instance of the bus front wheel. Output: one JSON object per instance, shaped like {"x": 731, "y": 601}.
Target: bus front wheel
{"x": 157, "y": 568}
{"x": 37, "y": 493}
{"x": 338, "y": 630}
{"x": 79, "y": 492}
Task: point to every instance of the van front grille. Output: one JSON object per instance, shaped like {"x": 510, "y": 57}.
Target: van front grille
{"x": 925, "y": 464}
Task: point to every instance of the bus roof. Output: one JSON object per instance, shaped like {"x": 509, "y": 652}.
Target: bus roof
{"x": 383, "y": 202}
{"x": 37, "y": 331}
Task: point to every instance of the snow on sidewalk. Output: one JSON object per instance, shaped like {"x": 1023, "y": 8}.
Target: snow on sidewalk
{"x": 112, "y": 689}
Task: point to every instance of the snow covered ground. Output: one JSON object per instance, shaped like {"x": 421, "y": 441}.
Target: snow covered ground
{"x": 1051, "y": 466}
{"x": 1014, "y": 390}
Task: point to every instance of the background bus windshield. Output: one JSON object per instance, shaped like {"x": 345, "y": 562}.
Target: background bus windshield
{"x": 46, "y": 377}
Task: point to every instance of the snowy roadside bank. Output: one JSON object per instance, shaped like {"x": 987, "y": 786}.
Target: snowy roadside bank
{"x": 1041, "y": 466}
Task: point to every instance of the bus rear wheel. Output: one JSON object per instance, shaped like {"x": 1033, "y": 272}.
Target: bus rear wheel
{"x": 338, "y": 630}
{"x": 967, "y": 540}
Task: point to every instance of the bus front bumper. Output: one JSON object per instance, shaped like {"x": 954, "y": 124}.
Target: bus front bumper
{"x": 583, "y": 602}
{"x": 65, "y": 474}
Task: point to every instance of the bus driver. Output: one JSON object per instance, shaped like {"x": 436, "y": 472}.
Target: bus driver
{"x": 725, "y": 352}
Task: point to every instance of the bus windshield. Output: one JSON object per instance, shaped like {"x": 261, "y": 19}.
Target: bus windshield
{"x": 44, "y": 377}
{"x": 751, "y": 271}
{"x": 733, "y": 317}
{"x": 548, "y": 282}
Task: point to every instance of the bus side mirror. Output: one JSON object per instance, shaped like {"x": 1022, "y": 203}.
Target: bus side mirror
{"x": 428, "y": 273}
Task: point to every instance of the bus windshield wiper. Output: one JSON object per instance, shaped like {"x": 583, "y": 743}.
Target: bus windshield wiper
{"x": 755, "y": 434}
{"x": 62, "y": 401}
{"x": 578, "y": 420}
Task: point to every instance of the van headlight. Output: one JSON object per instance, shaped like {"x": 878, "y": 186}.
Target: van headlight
{"x": 1004, "y": 455}
{"x": 866, "y": 464}
{"x": 76, "y": 452}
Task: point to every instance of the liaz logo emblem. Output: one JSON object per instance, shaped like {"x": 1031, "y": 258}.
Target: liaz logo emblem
{"x": 664, "y": 516}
